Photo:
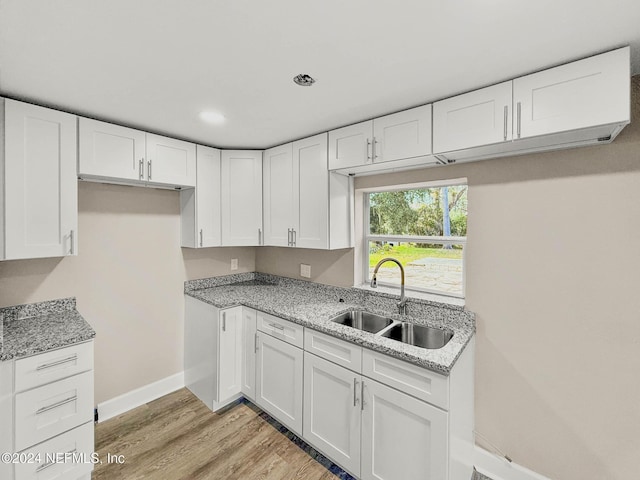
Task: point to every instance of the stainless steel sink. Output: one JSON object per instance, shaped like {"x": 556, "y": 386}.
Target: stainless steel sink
{"x": 369, "y": 322}
{"x": 419, "y": 335}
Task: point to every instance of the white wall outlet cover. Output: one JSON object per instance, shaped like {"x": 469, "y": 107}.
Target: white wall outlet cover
{"x": 305, "y": 270}
{"x": 234, "y": 264}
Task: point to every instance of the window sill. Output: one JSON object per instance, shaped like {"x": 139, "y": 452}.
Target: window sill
{"x": 412, "y": 294}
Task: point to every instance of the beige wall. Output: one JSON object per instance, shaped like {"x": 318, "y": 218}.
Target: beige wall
{"x": 128, "y": 279}
{"x": 333, "y": 267}
{"x": 553, "y": 274}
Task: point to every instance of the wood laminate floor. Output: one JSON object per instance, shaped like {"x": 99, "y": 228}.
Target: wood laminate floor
{"x": 176, "y": 437}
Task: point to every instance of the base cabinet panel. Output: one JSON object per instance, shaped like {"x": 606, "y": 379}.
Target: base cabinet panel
{"x": 250, "y": 341}
{"x": 279, "y": 381}
{"x": 402, "y": 437}
{"x": 332, "y": 411}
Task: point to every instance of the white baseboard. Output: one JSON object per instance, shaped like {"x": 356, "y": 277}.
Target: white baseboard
{"x": 127, "y": 401}
{"x": 497, "y": 468}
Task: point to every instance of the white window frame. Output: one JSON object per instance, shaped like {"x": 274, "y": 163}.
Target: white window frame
{"x": 451, "y": 240}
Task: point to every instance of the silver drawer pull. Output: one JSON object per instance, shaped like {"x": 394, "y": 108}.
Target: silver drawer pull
{"x": 44, "y": 466}
{"x": 276, "y": 326}
{"x": 355, "y": 395}
{"x": 57, "y": 404}
{"x": 44, "y": 366}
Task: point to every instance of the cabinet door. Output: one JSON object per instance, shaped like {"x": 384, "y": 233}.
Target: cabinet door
{"x": 40, "y": 182}
{"x": 279, "y": 381}
{"x": 590, "y": 92}
{"x": 230, "y": 353}
{"x": 112, "y": 151}
{"x": 482, "y": 117}
{"x": 241, "y": 202}
{"x": 278, "y": 175}
{"x": 402, "y": 135}
{"x": 311, "y": 196}
{"x": 351, "y": 146}
{"x": 332, "y": 411}
{"x": 170, "y": 161}
{"x": 249, "y": 352}
{"x": 208, "y": 197}
{"x": 402, "y": 437}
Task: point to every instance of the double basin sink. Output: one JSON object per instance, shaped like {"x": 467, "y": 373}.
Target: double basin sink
{"x": 405, "y": 332}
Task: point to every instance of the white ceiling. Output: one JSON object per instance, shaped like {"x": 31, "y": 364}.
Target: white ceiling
{"x": 155, "y": 64}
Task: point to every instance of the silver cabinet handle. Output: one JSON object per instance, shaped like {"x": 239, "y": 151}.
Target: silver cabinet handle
{"x": 276, "y": 326}
{"x": 44, "y": 366}
{"x": 141, "y": 169}
{"x": 295, "y": 237}
{"x": 355, "y": 394}
{"x": 519, "y": 117}
{"x": 255, "y": 342}
{"x": 506, "y": 115}
{"x": 259, "y": 236}
{"x": 72, "y": 241}
{"x": 224, "y": 321}
{"x": 375, "y": 154}
{"x": 201, "y": 243}
{"x": 149, "y": 170}
{"x": 57, "y": 404}
{"x": 362, "y": 395}
{"x": 368, "y": 146}
{"x": 289, "y": 237}
{"x": 44, "y": 466}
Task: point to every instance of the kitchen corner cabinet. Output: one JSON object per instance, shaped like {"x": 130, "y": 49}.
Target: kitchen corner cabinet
{"x": 241, "y": 197}
{"x": 200, "y": 206}
{"x": 397, "y": 138}
{"x": 213, "y": 352}
{"x": 116, "y": 154}
{"x": 39, "y": 187}
{"x": 305, "y": 205}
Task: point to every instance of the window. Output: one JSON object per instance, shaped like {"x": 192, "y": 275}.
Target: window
{"x": 424, "y": 228}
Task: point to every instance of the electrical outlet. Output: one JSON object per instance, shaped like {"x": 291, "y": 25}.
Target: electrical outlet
{"x": 305, "y": 270}
{"x": 234, "y": 264}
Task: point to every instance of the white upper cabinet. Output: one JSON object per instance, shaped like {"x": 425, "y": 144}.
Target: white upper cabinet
{"x": 39, "y": 191}
{"x": 279, "y": 183}
{"x": 304, "y": 204}
{"x": 125, "y": 155}
{"x": 200, "y": 206}
{"x": 170, "y": 161}
{"x": 481, "y": 117}
{"x": 586, "y": 93}
{"x": 402, "y": 135}
{"x": 398, "y": 140}
{"x": 351, "y": 146}
{"x": 241, "y": 197}
{"x": 111, "y": 151}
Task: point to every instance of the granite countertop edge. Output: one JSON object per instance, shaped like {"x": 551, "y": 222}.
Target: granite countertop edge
{"x": 40, "y": 327}
{"x": 321, "y": 308}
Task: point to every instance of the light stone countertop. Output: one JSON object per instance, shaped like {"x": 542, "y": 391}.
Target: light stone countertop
{"x": 39, "y": 327}
{"x": 312, "y": 305}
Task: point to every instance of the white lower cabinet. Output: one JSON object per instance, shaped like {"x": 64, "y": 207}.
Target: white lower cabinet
{"x": 50, "y": 426}
{"x": 279, "y": 380}
{"x": 402, "y": 437}
{"x": 213, "y": 352}
{"x": 332, "y": 411}
{"x": 249, "y": 348}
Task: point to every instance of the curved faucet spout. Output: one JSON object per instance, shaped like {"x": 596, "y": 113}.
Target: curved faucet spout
{"x": 402, "y": 308}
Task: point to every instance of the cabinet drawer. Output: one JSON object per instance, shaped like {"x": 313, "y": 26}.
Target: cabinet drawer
{"x": 283, "y": 329}
{"x": 52, "y": 366}
{"x": 67, "y": 456}
{"x": 47, "y": 411}
{"x": 412, "y": 379}
{"x": 335, "y": 350}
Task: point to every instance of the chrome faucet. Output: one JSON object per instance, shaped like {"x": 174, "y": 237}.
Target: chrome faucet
{"x": 402, "y": 304}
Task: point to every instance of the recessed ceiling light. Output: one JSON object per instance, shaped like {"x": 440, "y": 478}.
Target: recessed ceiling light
{"x": 303, "y": 80}
{"x": 212, "y": 117}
